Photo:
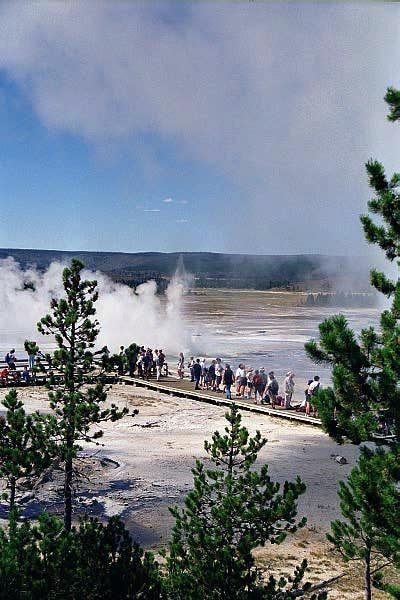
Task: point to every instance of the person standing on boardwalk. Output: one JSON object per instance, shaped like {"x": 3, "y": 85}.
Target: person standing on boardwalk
{"x": 258, "y": 387}
{"x": 159, "y": 364}
{"x": 219, "y": 369}
{"x": 121, "y": 360}
{"x": 190, "y": 367}
{"x": 263, "y": 384}
{"x": 228, "y": 381}
{"x": 272, "y": 389}
{"x": 181, "y": 365}
{"x": 243, "y": 379}
{"x": 10, "y": 359}
{"x": 237, "y": 380}
{"x": 289, "y": 389}
{"x": 31, "y": 349}
{"x": 197, "y": 373}
{"x": 312, "y": 391}
{"x": 204, "y": 371}
{"x": 146, "y": 365}
{"x": 212, "y": 375}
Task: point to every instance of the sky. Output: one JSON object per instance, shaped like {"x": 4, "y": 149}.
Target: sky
{"x": 237, "y": 127}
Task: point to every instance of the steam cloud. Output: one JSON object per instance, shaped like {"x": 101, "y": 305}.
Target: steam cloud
{"x": 125, "y": 315}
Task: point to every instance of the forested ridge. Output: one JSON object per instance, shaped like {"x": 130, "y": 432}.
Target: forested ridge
{"x": 214, "y": 270}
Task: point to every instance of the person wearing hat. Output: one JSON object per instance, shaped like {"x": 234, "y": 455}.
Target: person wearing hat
{"x": 289, "y": 389}
{"x": 263, "y": 384}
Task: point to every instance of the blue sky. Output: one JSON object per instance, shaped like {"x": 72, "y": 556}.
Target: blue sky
{"x": 189, "y": 126}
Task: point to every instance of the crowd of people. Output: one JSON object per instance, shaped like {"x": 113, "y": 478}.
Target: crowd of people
{"x": 250, "y": 384}
{"x": 138, "y": 361}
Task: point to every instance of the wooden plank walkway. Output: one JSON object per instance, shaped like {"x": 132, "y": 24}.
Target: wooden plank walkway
{"x": 185, "y": 389}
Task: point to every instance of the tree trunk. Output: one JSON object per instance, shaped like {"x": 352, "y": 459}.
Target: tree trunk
{"x": 70, "y": 383}
{"x": 68, "y": 495}
{"x": 368, "y": 595}
{"x": 12, "y": 493}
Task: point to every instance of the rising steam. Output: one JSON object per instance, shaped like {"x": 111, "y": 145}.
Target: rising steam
{"x": 125, "y": 315}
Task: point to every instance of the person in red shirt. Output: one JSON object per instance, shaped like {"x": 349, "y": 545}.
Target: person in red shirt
{"x": 3, "y": 375}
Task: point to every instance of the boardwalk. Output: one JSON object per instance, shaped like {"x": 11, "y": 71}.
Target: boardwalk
{"x": 185, "y": 389}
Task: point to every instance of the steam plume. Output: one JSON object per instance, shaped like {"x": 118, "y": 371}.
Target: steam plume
{"x": 125, "y": 315}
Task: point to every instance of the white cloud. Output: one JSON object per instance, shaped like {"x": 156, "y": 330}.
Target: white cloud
{"x": 214, "y": 82}
{"x": 285, "y": 101}
{"x": 182, "y": 220}
{"x": 168, "y": 200}
{"x": 152, "y": 210}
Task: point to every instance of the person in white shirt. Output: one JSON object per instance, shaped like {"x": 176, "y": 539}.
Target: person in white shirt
{"x": 204, "y": 370}
{"x": 237, "y": 380}
{"x": 243, "y": 380}
{"x": 219, "y": 369}
{"x": 315, "y": 385}
{"x": 312, "y": 390}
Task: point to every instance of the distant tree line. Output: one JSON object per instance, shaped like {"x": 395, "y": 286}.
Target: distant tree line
{"x": 242, "y": 283}
{"x": 342, "y": 300}
{"x": 134, "y": 281}
{"x": 210, "y": 281}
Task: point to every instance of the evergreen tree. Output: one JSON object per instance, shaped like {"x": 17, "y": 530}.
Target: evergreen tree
{"x": 366, "y": 370}
{"x": 370, "y": 503}
{"x": 350, "y": 408}
{"x": 132, "y": 353}
{"x": 93, "y": 561}
{"x": 77, "y": 405}
{"x": 232, "y": 509}
{"x": 365, "y": 397}
{"x": 26, "y": 446}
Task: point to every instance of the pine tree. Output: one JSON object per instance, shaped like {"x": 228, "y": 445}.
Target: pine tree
{"x": 365, "y": 397}
{"x": 232, "y": 509}
{"x": 366, "y": 370}
{"x": 370, "y": 503}
{"x": 26, "y": 446}
{"x": 92, "y": 561}
{"x": 77, "y": 405}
